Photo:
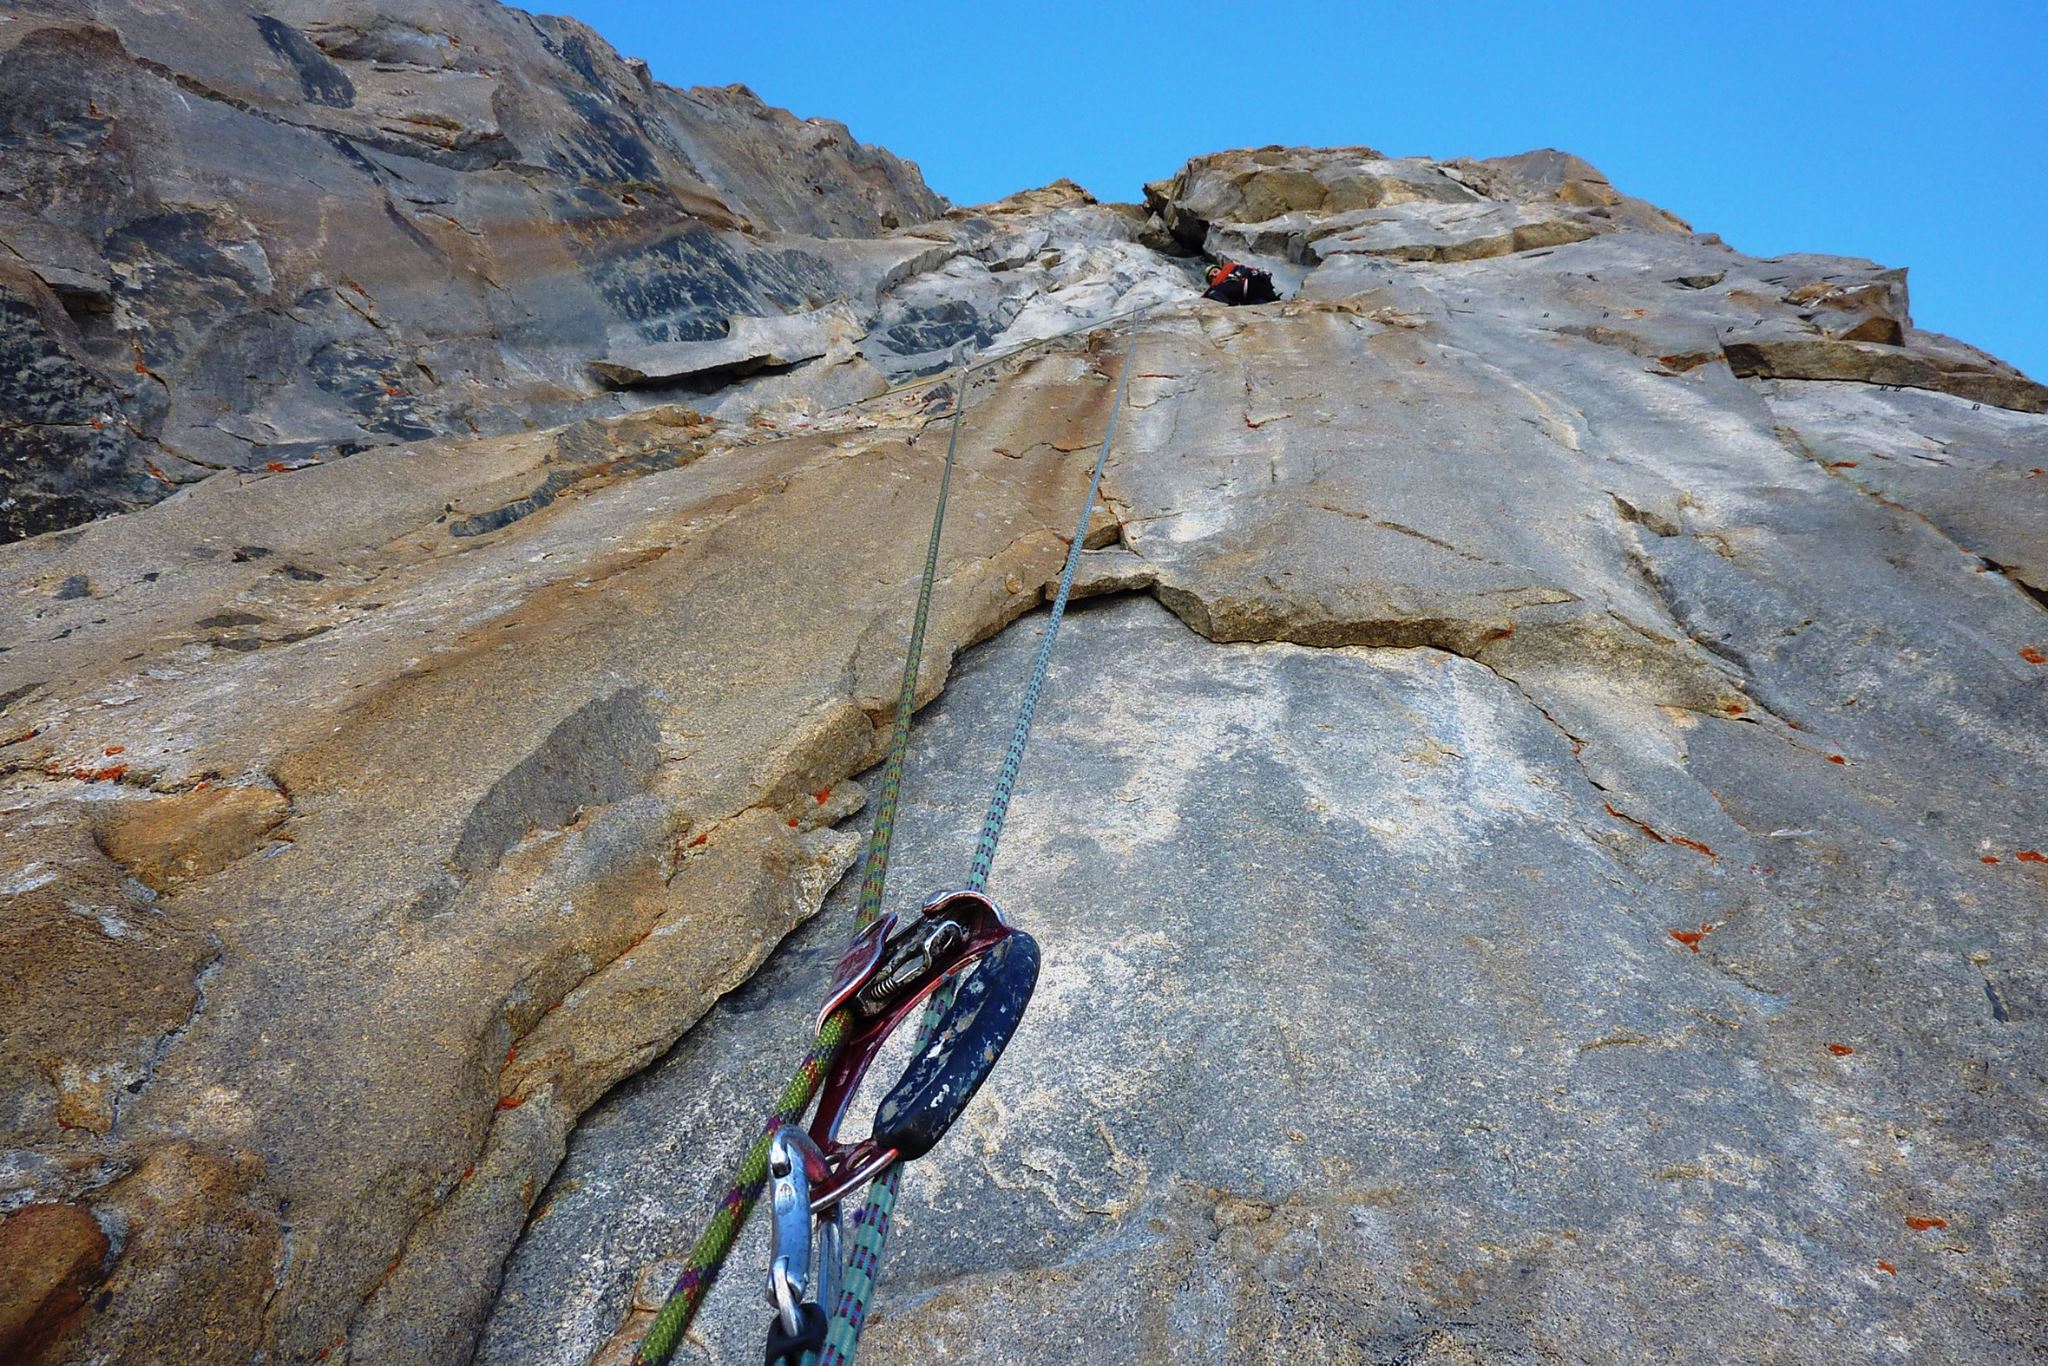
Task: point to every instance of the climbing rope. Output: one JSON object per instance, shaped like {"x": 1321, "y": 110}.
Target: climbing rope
{"x": 715, "y": 1243}
{"x": 1034, "y": 685}
{"x": 871, "y": 1221}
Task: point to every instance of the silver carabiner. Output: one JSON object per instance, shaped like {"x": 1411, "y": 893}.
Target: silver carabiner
{"x": 794, "y": 1162}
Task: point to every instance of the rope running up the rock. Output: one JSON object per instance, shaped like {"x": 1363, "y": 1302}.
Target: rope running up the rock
{"x": 715, "y": 1243}
{"x": 871, "y": 1222}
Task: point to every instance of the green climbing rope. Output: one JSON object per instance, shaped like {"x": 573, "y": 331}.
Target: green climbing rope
{"x": 871, "y": 1222}
{"x": 715, "y": 1243}
{"x": 870, "y": 1234}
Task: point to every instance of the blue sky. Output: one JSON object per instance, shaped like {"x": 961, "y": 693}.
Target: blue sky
{"x": 1912, "y": 134}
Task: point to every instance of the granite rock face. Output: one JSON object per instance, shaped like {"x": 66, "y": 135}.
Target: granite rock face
{"x": 253, "y": 241}
{"x": 239, "y": 237}
{"x": 1413, "y": 1069}
{"x": 1537, "y": 849}
{"x": 1588, "y": 910}
{"x": 1285, "y": 201}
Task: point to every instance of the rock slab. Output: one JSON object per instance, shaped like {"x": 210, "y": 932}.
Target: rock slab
{"x": 1541, "y": 861}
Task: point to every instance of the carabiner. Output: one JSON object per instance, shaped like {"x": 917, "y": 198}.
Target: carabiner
{"x": 799, "y": 1323}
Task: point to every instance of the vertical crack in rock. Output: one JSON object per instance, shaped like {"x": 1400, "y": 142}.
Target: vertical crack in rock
{"x": 1640, "y": 565}
{"x": 206, "y": 973}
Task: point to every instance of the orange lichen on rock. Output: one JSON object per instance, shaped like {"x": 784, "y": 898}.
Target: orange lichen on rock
{"x": 2033, "y": 656}
{"x": 1688, "y": 360}
{"x": 1920, "y": 1223}
{"x": 1840, "y": 1050}
{"x": 1652, "y": 832}
{"x": 2031, "y": 856}
{"x": 1691, "y": 938}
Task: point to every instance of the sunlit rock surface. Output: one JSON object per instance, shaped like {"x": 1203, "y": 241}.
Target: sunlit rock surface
{"x": 1538, "y": 846}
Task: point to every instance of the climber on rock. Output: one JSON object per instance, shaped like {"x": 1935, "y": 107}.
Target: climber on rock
{"x": 1232, "y": 283}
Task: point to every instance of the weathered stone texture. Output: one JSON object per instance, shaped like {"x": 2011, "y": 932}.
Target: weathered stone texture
{"x": 1539, "y": 859}
{"x": 239, "y": 239}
